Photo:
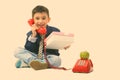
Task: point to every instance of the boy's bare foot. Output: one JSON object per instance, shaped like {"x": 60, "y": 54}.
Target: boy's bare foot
{"x": 38, "y": 65}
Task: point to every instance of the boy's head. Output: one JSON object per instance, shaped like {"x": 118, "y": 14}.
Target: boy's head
{"x": 40, "y": 9}
{"x": 40, "y": 14}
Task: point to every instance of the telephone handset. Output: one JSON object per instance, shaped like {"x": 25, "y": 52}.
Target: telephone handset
{"x": 41, "y": 30}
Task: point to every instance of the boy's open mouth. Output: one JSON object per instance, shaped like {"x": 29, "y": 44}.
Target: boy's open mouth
{"x": 40, "y": 25}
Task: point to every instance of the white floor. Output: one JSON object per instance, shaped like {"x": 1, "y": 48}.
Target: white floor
{"x": 104, "y": 68}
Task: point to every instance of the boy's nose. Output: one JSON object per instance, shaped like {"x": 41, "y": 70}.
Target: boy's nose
{"x": 40, "y": 20}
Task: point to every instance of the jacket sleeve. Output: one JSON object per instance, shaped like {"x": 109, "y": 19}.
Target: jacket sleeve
{"x": 31, "y": 46}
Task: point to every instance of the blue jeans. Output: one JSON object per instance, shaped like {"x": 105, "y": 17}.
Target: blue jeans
{"x": 28, "y": 56}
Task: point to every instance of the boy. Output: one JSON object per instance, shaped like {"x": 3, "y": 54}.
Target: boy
{"x": 28, "y": 55}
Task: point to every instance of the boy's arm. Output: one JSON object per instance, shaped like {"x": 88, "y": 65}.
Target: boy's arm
{"x": 66, "y": 47}
{"x": 31, "y": 43}
{"x": 32, "y": 39}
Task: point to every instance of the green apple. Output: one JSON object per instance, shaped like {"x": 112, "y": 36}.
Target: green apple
{"x": 84, "y": 55}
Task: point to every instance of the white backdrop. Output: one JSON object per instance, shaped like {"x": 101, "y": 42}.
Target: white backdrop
{"x": 95, "y": 24}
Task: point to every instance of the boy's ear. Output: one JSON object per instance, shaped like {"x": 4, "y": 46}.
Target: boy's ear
{"x": 49, "y": 19}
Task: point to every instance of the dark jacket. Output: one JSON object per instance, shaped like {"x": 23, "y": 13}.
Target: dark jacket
{"x": 34, "y": 47}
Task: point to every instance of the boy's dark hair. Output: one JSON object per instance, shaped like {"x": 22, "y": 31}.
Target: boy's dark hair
{"x": 40, "y": 9}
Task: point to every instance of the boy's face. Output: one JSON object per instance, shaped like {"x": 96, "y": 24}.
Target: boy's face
{"x": 41, "y": 19}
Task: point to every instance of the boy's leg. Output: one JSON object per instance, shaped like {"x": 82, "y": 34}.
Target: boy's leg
{"x": 37, "y": 65}
{"x": 24, "y": 55}
{"x": 21, "y": 64}
{"x": 30, "y": 58}
{"x": 54, "y": 60}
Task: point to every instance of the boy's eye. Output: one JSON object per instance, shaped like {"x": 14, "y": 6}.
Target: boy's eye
{"x": 44, "y": 18}
{"x": 37, "y": 18}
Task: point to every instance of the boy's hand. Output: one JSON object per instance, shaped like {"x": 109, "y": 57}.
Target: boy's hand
{"x": 66, "y": 47}
{"x": 34, "y": 28}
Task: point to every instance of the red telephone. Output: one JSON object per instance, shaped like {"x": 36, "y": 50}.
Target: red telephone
{"x": 41, "y": 30}
{"x": 83, "y": 66}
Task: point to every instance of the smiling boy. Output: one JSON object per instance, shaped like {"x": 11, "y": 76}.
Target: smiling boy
{"x": 28, "y": 54}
